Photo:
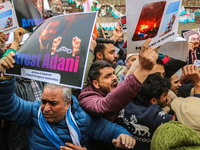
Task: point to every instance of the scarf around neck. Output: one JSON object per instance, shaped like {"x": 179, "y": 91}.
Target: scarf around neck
{"x": 53, "y": 137}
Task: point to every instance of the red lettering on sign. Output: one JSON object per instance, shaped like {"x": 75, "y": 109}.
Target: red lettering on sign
{"x": 123, "y": 21}
{"x": 1, "y": 7}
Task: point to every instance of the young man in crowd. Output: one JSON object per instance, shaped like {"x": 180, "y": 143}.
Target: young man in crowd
{"x": 186, "y": 109}
{"x": 104, "y": 49}
{"x": 144, "y": 113}
{"x": 175, "y": 82}
{"x": 104, "y": 97}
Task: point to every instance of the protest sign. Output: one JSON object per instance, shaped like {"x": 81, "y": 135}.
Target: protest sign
{"x": 29, "y": 13}
{"x": 123, "y": 23}
{"x": 57, "y": 50}
{"x": 193, "y": 36}
{"x": 176, "y": 48}
{"x": 153, "y": 19}
{"x": 8, "y": 20}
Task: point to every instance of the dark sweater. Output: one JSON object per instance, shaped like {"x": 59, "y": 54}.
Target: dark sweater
{"x": 142, "y": 121}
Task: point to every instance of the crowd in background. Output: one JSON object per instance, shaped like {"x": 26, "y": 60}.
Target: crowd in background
{"x": 137, "y": 101}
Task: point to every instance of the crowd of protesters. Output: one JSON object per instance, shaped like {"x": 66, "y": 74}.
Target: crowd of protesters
{"x": 129, "y": 101}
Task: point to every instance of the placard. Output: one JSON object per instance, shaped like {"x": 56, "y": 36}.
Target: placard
{"x": 57, "y": 50}
{"x": 29, "y": 13}
{"x": 8, "y": 20}
{"x": 153, "y": 19}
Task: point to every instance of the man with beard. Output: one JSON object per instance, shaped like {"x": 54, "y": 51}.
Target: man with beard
{"x": 105, "y": 50}
{"x": 194, "y": 51}
{"x": 175, "y": 82}
{"x": 103, "y": 98}
{"x": 144, "y": 113}
{"x": 47, "y": 36}
{"x": 57, "y": 118}
{"x": 51, "y": 36}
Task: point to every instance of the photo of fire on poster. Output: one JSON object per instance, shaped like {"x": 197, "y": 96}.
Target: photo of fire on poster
{"x": 149, "y": 21}
{"x": 156, "y": 19}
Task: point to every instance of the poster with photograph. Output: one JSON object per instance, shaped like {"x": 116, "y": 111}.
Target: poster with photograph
{"x": 123, "y": 23}
{"x": 29, "y": 13}
{"x": 57, "y": 50}
{"x": 8, "y": 20}
{"x": 193, "y": 37}
{"x": 153, "y": 19}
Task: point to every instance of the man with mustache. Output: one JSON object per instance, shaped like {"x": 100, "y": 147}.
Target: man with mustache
{"x": 193, "y": 42}
{"x": 49, "y": 38}
{"x": 57, "y": 118}
{"x": 105, "y": 50}
{"x": 144, "y": 113}
{"x": 104, "y": 97}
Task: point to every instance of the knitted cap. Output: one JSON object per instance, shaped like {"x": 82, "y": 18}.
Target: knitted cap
{"x": 187, "y": 111}
{"x": 175, "y": 136}
{"x": 129, "y": 55}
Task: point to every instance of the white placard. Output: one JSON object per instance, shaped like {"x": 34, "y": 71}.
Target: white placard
{"x": 153, "y": 19}
{"x": 8, "y": 20}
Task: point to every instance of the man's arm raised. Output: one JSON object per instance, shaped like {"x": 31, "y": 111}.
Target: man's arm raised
{"x": 117, "y": 33}
{"x": 8, "y": 58}
{"x": 6, "y": 63}
{"x": 147, "y": 60}
{"x": 192, "y": 73}
{"x": 18, "y": 36}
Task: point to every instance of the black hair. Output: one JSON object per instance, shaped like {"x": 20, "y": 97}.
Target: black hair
{"x": 104, "y": 40}
{"x": 153, "y": 87}
{"x": 1, "y": 53}
{"x": 159, "y": 62}
{"x": 101, "y": 45}
{"x": 94, "y": 73}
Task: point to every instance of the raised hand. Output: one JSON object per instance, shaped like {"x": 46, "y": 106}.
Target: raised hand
{"x": 191, "y": 46}
{"x": 147, "y": 56}
{"x": 6, "y": 63}
{"x": 93, "y": 42}
{"x": 18, "y": 36}
{"x": 191, "y": 72}
{"x": 55, "y": 44}
{"x": 76, "y": 42}
{"x": 2, "y": 39}
{"x": 117, "y": 33}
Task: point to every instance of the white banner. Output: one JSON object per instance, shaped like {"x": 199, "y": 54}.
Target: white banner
{"x": 176, "y": 48}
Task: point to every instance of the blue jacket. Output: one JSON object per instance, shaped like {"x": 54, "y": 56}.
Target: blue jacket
{"x": 26, "y": 113}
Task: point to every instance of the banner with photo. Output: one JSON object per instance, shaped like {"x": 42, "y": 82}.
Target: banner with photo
{"x": 57, "y": 50}
{"x": 193, "y": 37}
{"x": 153, "y": 19}
{"x": 29, "y": 13}
{"x": 8, "y": 20}
{"x": 123, "y": 23}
